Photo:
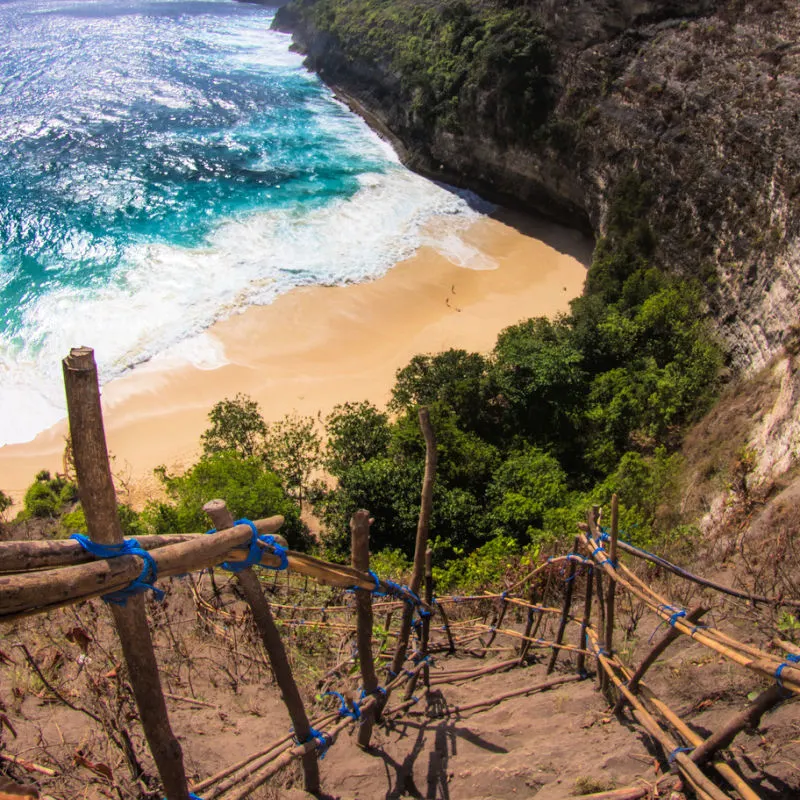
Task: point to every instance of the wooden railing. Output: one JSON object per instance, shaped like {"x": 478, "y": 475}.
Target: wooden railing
{"x": 39, "y": 576}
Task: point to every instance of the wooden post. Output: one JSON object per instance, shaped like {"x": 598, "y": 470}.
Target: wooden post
{"x": 526, "y": 645}
{"x": 426, "y": 628}
{"x": 262, "y": 616}
{"x": 565, "y": 610}
{"x": 451, "y": 645}
{"x": 99, "y": 503}
{"x": 669, "y": 637}
{"x": 612, "y": 585}
{"x": 499, "y": 621}
{"x": 587, "y": 616}
{"x": 359, "y": 541}
{"x": 426, "y": 622}
{"x": 426, "y": 506}
{"x": 749, "y": 718}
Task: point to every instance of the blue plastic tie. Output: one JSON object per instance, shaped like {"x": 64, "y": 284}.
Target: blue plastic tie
{"x": 378, "y": 690}
{"x": 790, "y": 659}
{"x": 253, "y": 557}
{"x": 671, "y": 757}
{"x": 344, "y": 711}
{"x": 129, "y": 547}
{"x": 324, "y": 741}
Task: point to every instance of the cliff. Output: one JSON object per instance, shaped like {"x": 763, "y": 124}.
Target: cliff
{"x": 549, "y": 106}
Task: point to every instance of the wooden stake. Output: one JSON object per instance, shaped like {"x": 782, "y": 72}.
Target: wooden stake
{"x": 99, "y": 503}
{"x": 525, "y": 645}
{"x": 262, "y": 616}
{"x": 359, "y": 540}
{"x": 426, "y": 628}
{"x": 587, "y": 616}
{"x": 749, "y": 718}
{"x": 562, "y": 625}
{"x": 669, "y": 637}
{"x": 423, "y": 524}
{"x": 612, "y": 585}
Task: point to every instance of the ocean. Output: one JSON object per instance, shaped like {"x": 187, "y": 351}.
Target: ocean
{"x": 164, "y": 165}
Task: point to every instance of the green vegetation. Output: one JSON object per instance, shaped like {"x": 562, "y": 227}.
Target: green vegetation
{"x": 558, "y": 416}
{"x": 455, "y": 60}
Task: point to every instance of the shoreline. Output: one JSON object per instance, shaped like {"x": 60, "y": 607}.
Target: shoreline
{"x": 316, "y": 347}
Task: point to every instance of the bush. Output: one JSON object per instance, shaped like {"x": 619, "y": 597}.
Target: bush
{"x": 250, "y": 490}
{"x": 235, "y": 425}
{"x": 46, "y": 497}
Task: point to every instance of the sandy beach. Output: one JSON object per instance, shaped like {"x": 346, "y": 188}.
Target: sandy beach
{"x": 319, "y": 346}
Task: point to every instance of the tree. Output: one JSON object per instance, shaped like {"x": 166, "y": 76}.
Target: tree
{"x": 528, "y": 483}
{"x": 247, "y": 486}
{"x": 236, "y": 425}
{"x": 455, "y": 378}
{"x": 294, "y": 452}
{"x": 357, "y": 432}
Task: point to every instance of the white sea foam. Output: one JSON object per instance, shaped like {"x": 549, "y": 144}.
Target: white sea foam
{"x": 164, "y": 297}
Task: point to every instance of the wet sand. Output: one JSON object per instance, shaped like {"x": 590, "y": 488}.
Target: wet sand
{"x": 319, "y": 346}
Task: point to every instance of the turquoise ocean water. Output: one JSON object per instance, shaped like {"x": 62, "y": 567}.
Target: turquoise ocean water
{"x": 164, "y": 165}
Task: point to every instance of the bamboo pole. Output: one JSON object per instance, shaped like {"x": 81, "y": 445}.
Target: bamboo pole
{"x": 99, "y": 502}
{"x": 493, "y": 629}
{"x": 612, "y": 586}
{"x": 537, "y": 687}
{"x": 765, "y": 666}
{"x": 650, "y": 724}
{"x": 262, "y": 616}
{"x": 525, "y": 644}
{"x": 562, "y": 625}
{"x": 359, "y": 540}
{"x": 585, "y": 622}
{"x": 748, "y": 718}
{"x": 426, "y": 507}
{"x": 722, "y": 768}
{"x": 45, "y": 590}
{"x": 695, "y": 615}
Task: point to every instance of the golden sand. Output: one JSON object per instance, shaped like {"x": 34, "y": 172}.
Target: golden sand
{"x": 318, "y": 346}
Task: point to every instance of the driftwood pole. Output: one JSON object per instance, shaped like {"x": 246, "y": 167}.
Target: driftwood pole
{"x": 359, "y": 540}
{"x": 587, "y": 616}
{"x": 426, "y": 507}
{"x": 262, "y": 616}
{"x": 99, "y": 503}
{"x": 567, "y": 605}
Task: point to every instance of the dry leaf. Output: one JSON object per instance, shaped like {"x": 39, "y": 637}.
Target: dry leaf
{"x": 79, "y": 637}
{"x": 103, "y": 770}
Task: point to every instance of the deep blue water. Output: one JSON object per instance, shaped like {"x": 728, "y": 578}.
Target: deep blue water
{"x": 162, "y": 165}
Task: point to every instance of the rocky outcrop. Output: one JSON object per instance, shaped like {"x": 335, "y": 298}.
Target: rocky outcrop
{"x": 700, "y": 97}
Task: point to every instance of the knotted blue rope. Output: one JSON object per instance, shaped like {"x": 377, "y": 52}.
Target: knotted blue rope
{"x": 129, "y": 547}
{"x": 344, "y": 711}
{"x": 378, "y": 690}
{"x": 677, "y": 613}
{"x": 322, "y": 738}
{"x": 671, "y": 757}
{"x": 254, "y": 551}
{"x": 790, "y": 659}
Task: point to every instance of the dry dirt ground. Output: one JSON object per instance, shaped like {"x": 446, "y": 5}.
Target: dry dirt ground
{"x": 554, "y": 744}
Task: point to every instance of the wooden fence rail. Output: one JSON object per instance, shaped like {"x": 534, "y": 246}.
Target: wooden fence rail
{"x": 36, "y": 577}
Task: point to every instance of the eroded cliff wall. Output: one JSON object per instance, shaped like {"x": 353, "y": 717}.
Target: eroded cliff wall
{"x": 550, "y": 104}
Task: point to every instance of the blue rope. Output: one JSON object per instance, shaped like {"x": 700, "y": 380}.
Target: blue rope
{"x": 671, "y": 757}
{"x": 378, "y": 690}
{"x": 253, "y": 557}
{"x": 130, "y": 547}
{"x": 677, "y": 613}
{"x": 322, "y": 738}
{"x": 790, "y": 659}
{"x": 344, "y": 711}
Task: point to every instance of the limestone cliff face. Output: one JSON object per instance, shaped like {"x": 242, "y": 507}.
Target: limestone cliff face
{"x": 700, "y": 97}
